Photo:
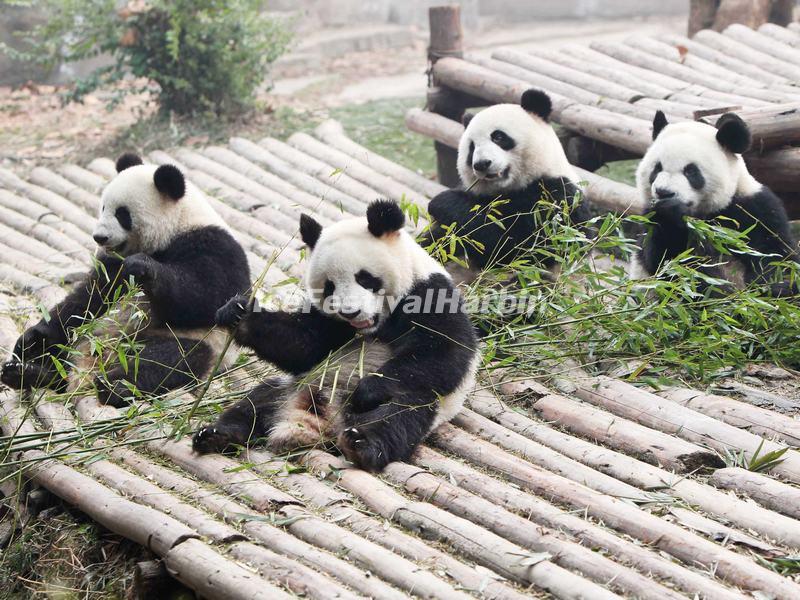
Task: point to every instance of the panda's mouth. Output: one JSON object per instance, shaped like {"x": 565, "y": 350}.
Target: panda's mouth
{"x": 363, "y": 324}
{"x": 495, "y": 176}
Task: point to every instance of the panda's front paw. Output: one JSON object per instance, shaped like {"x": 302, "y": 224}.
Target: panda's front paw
{"x": 211, "y": 439}
{"x": 671, "y": 210}
{"x": 18, "y": 376}
{"x": 371, "y": 392}
{"x": 233, "y": 312}
{"x": 363, "y": 446}
{"x": 141, "y": 267}
{"x": 115, "y": 393}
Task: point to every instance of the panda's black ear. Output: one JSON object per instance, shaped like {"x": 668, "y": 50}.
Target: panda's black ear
{"x": 169, "y": 181}
{"x": 384, "y": 216}
{"x": 733, "y": 133}
{"x": 129, "y": 159}
{"x": 310, "y": 230}
{"x": 466, "y": 119}
{"x": 536, "y": 102}
{"x": 659, "y": 122}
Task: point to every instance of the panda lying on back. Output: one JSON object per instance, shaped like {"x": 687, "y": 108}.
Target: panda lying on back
{"x": 508, "y": 153}
{"x": 159, "y": 231}
{"x": 382, "y": 355}
{"x": 694, "y": 169}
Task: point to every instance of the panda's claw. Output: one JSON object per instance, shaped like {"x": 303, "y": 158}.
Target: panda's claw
{"x": 209, "y": 439}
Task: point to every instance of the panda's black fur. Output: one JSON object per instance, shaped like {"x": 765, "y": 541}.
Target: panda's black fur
{"x": 508, "y": 153}
{"x": 748, "y": 206}
{"x": 395, "y": 380}
{"x": 185, "y": 280}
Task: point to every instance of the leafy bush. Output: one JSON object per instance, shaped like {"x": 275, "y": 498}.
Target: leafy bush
{"x": 204, "y": 55}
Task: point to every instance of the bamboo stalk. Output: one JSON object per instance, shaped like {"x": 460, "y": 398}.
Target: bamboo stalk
{"x": 628, "y": 469}
{"x": 766, "y": 423}
{"x": 692, "y": 550}
{"x": 525, "y": 533}
{"x": 332, "y": 133}
{"x": 484, "y": 547}
{"x": 764, "y": 490}
{"x": 593, "y": 536}
{"x": 625, "y": 400}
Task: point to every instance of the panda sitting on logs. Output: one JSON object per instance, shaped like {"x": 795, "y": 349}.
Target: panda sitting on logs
{"x": 510, "y": 154}
{"x": 695, "y": 169}
{"x": 381, "y": 354}
{"x": 159, "y": 232}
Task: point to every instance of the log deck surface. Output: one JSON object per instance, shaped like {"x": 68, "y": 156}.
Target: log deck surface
{"x": 587, "y": 495}
{"x": 609, "y": 92}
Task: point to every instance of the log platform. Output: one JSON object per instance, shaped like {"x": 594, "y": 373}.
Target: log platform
{"x": 602, "y": 493}
{"x": 605, "y": 95}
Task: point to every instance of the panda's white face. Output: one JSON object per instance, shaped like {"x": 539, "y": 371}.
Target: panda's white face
{"x": 687, "y": 163}
{"x": 504, "y": 147}
{"x": 358, "y": 277}
{"x": 136, "y": 217}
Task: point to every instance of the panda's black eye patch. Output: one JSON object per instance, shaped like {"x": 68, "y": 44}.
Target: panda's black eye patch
{"x": 502, "y": 139}
{"x": 471, "y": 152}
{"x": 656, "y": 170}
{"x": 123, "y": 215}
{"x": 368, "y": 281}
{"x": 328, "y": 289}
{"x": 695, "y": 177}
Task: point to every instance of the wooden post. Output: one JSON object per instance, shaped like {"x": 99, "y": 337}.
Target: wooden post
{"x": 782, "y": 12}
{"x": 447, "y": 39}
{"x": 701, "y": 15}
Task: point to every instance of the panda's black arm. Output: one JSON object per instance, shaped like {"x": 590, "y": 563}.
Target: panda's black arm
{"x": 770, "y": 234}
{"x": 193, "y": 277}
{"x": 434, "y": 350}
{"x": 451, "y": 207}
{"x": 88, "y": 300}
{"x": 668, "y": 236}
{"x": 293, "y": 341}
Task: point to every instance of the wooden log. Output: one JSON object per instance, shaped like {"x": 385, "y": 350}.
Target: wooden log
{"x": 601, "y": 191}
{"x": 746, "y": 53}
{"x": 21, "y": 242}
{"x": 46, "y": 178}
{"x": 593, "y": 536}
{"x": 644, "y": 443}
{"x": 484, "y": 547}
{"x": 47, "y": 217}
{"x": 701, "y": 15}
{"x": 628, "y": 401}
{"x": 750, "y": 12}
{"x": 152, "y": 580}
{"x": 773, "y": 126}
{"x": 521, "y": 531}
{"x": 779, "y": 169}
{"x": 691, "y": 549}
{"x": 325, "y": 173}
{"x": 357, "y": 170}
{"x": 694, "y": 48}
{"x": 625, "y": 468}
{"x": 44, "y": 233}
{"x": 332, "y": 133}
{"x": 272, "y": 537}
{"x": 781, "y": 34}
{"x": 766, "y": 423}
{"x": 794, "y": 27}
{"x": 297, "y": 578}
{"x": 446, "y": 35}
{"x": 719, "y": 532}
{"x": 212, "y": 576}
{"x": 764, "y": 490}
{"x": 327, "y": 193}
{"x": 617, "y": 130}
{"x": 760, "y": 42}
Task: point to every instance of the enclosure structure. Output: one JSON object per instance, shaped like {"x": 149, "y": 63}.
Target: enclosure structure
{"x": 599, "y": 492}
{"x": 605, "y": 95}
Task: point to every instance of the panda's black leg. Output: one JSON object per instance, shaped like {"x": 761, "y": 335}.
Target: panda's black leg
{"x": 390, "y": 432}
{"x": 243, "y": 422}
{"x": 164, "y": 364}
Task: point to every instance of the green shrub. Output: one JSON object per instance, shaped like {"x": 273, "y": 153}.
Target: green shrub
{"x": 203, "y": 55}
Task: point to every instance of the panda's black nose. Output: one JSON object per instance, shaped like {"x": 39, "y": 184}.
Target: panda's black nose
{"x": 663, "y": 193}
{"x": 100, "y": 239}
{"x": 349, "y": 315}
{"x": 482, "y": 165}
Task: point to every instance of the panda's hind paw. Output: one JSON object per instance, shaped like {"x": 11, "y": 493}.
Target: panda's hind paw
{"x": 364, "y": 450}
{"x": 114, "y": 393}
{"x": 210, "y": 439}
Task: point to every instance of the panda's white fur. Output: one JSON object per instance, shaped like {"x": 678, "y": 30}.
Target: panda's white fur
{"x": 537, "y": 152}
{"x": 679, "y": 144}
{"x": 158, "y": 220}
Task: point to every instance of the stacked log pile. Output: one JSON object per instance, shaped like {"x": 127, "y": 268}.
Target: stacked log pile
{"x": 601, "y": 492}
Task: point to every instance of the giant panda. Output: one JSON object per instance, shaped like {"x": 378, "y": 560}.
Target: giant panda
{"x": 510, "y": 154}
{"x": 380, "y": 355}
{"x": 157, "y": 231}
{"x": 696, "y": 169}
